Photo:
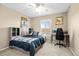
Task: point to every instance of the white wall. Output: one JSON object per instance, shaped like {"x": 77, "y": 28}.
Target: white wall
{"x": 35, "y": 22}
{"x": 8, "y": 18}
{"x": 73, "y": 27}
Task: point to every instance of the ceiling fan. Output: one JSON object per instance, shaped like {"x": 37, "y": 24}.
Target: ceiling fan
{"x": 36, "y": 4}
{"x": 39, "y": 7}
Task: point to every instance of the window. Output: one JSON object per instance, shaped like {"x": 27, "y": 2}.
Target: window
{"x": 45, "y": 24}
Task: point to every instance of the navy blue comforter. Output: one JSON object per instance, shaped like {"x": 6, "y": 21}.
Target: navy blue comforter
{"x": 28, "y": 46}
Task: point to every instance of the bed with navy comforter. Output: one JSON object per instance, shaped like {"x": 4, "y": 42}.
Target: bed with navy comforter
{"x": 27, "y": 43}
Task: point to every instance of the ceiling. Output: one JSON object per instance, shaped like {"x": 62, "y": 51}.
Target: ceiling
{"x": 29, "y": 10}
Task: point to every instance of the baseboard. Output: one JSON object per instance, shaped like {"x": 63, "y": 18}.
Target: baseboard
{"x": 4, "y": 48}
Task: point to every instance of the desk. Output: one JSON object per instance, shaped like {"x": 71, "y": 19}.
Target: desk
{"x": 66, "y": 39}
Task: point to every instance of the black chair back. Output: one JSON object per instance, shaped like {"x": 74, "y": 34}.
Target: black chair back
{"x": 59, "y": 34}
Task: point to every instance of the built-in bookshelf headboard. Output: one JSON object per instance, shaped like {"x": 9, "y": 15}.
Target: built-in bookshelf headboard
{"x": 14, "y": 31}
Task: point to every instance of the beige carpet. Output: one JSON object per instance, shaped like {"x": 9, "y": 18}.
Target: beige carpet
{"x": 48, "y": 49}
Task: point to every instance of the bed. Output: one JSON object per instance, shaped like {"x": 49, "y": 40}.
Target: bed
{"x": 27, "y": 43}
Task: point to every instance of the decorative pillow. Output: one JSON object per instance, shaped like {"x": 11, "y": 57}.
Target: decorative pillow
{"x": 35, "y": 34}
{"x": 31, "y": 33}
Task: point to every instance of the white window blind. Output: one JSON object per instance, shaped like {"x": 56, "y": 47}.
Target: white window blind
{"x": 45, "y": 24}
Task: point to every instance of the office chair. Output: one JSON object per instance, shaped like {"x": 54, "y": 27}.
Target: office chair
{"x": 60, "y": 37}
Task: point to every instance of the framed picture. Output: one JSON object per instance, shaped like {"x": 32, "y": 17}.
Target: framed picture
{"x": 23, "y": 25}
{"x": 23, "y": 22}
{"x": 59, "y": 20}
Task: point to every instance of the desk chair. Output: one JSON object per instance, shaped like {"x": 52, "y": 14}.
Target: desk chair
{"x": 60, "y": 37}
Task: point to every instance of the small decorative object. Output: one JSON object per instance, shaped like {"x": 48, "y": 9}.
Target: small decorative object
{"x": 59, "y": 20}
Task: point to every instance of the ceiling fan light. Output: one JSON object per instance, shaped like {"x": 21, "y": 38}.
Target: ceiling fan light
{"x": 32, "y": 4}
{"x": 40, "y": 9}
